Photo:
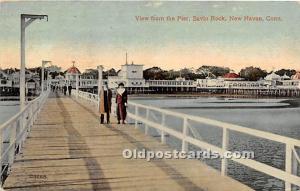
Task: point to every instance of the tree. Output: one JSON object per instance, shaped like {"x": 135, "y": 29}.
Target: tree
{"x": 252, "y": 73}
{"x": 171, "y": 75}
{"x": 110, "y": 72}
{"x": 154, "y": 73}
{"x": 54, "y": 74}
{"x": 215, "y": 70}
{"x": 288, "y": 72}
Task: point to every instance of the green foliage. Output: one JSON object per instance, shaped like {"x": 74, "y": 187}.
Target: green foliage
{"x": 288, "y": 72}
{"x": 214, "y": 70}
{"x": 252, "y": 73}
{"x": 156, "y": 73}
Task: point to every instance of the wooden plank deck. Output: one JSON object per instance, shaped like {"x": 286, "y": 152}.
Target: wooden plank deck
{"x": 68, "y": 149}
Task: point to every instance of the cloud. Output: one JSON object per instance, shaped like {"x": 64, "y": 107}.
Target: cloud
{"x": 237, "y": 8}
{"x": 217, "y": 6}
{"x": 154, "y": 4}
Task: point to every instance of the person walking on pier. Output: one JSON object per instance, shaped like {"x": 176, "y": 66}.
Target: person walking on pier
{"x": 105, "y": 104}
{"x": 70, "y": 89}
{"x": 65, "y": 89}
{"x": 121, "y": 102}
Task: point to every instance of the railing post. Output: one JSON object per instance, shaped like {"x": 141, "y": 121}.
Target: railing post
{"x": 136, "y": 114}
{"x": 185, "y": 145}
{"x": 288, "y": 164}
{"x": 163, "y": 122}
{"x": 18, "y": 132}
{"x": 37, "y": 107}
{"x": 225, "y": 141}
{"x": 294, "y": 162}
{"x": 1, "y": 144}
{"x": 12, "y": 138}
{"x": 22, "y": 127}
{"x": 30, "y": 116}
{"x": 77, "y": 85}
{"x": 147, "y": 118}
{"x": 27, "y": 120}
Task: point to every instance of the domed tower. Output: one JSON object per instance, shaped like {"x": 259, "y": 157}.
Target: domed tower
{"x": 71, "y": 74}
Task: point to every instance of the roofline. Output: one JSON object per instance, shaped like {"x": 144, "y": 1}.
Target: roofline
{"x": 132, "y": 65}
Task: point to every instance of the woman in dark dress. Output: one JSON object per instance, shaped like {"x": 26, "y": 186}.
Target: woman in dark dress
{"x": 121, "y": 102}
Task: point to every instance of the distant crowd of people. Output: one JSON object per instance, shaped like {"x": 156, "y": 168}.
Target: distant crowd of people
{"x": 64, "y": 89}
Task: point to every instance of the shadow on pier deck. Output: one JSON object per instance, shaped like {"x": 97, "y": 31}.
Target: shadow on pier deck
{"x": 67, "y": 149}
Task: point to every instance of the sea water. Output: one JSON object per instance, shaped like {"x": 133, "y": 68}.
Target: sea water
{"x": 7, "y": 110}
{"x": 278, "y": 116}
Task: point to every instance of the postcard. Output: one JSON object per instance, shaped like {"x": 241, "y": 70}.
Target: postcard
{"x": 149, "y": 95}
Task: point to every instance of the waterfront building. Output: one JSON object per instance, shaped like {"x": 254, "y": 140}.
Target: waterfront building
{"x": 229, "y": 80}
{"x": 71, "y": 75}
{"x": 32, "y": 87}
{"x": 296, "y": 76}
{"x": 171, "y": 86}
{"x": 273, "y": 77}
{"x": 285, "y": 77}
{"x": 232, "y": 77}
{"x": 9, "y": 84}
{"x": 131, "y": 75}
{"x": 89, "y": 80}
{"x": 5, "y": 83}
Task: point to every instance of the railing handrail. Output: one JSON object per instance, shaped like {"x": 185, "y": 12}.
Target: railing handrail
{"x": 286, "y": 175}
{"x": 17, "y": 128}
{"x": 220, "y": 124}
{"x": 20, "y": 113}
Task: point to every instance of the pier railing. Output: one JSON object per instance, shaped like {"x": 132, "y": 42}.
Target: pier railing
{"x": 14, "y": 132}
{"x": 87, "y": 96}
{"x": 92, "y": 98}
{"x": 292, "y": 159}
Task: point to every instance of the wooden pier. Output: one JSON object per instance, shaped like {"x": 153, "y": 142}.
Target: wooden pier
{"x": 67, "y": 149}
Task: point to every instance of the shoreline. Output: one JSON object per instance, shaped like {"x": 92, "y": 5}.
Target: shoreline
{"x": 14, "y": 98}
{"x": 196, "y": 95}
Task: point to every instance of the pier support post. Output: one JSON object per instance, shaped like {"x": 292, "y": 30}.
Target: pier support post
{"x": 77, "y": 85}
{"x": 1, "y": 143}
{"x": 22, "y": 68}
{"x": 43, "y": 76}
{"x": 48, "y": 81}
{"x": 26, "y": 20}
{"x": 43, "y": 73}
{"x": 100, "y": 82}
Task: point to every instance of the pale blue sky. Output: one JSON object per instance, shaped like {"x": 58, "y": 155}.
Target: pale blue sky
{"x": 96, "y": 32}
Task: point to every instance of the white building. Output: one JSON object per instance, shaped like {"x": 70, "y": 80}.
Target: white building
{"x": 70, "y": 76}
{"x": 273, "y": 77}
{"x": 131, "y": 75}
{"x": 5, "y": 80}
